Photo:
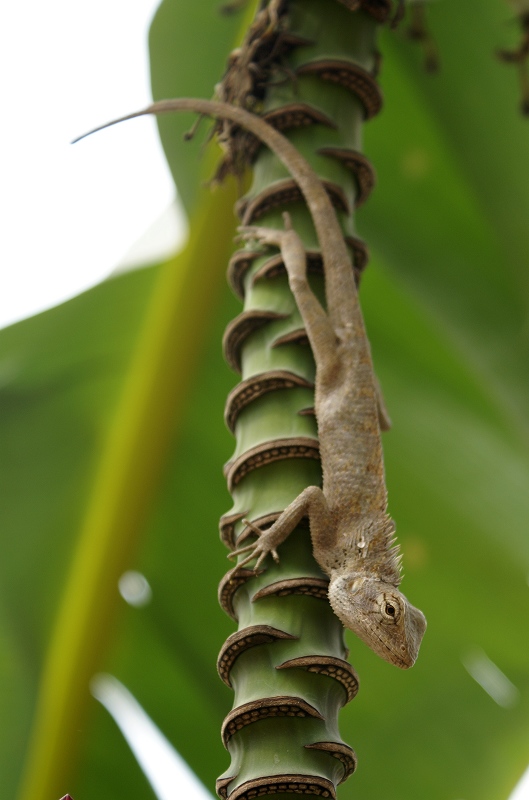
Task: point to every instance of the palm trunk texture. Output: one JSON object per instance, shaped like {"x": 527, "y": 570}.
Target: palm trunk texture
{"x": 317, "y": 61}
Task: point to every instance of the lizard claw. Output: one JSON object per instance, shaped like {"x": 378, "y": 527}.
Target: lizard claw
{"x": 259, "y": 549}
{"x": 287, "y": 220}
{"x": 241, "y": 550}
{"x": 264, "y": 236}
{"x": 251, "y": 528}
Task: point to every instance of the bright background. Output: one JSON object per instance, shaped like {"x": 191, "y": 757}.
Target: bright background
{"x": 71, "y": 214}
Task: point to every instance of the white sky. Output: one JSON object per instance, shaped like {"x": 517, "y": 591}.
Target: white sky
{"x": 68, "y": 214}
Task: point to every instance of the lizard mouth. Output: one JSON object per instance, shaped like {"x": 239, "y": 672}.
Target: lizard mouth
{"x": 370, "y": 635}
{"x": 398, "y": 645}
{"x": 394, "y": 657}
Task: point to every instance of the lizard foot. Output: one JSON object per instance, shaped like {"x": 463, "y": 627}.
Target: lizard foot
{"x": 267, "y": 236}
{"x": 259, "y": 549}
{"x": 287, "y": 240}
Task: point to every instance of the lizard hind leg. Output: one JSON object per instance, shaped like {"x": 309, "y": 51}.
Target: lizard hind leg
{"x": 317, "y": 323}
{"x": 287, "y": 240}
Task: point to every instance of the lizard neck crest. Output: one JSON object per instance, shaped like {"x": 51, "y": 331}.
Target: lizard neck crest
{"x": 380, "y": 615}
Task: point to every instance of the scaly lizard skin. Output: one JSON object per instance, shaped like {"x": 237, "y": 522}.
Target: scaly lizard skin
{"x": 352, "y": 534}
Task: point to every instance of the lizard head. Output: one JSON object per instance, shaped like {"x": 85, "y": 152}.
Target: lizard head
{"x": 380, "y": 615}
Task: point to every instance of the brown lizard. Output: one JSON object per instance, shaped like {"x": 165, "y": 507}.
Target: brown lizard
{"x": 352, "y": 534}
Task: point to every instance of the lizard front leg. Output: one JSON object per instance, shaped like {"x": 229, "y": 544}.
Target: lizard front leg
{"x": 310, "y": 503}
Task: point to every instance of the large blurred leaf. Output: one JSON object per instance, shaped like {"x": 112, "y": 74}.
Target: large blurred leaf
{"x": 446, "y": 299}
{"x": 189, "y": 44}
{"x": 61, "y": 374}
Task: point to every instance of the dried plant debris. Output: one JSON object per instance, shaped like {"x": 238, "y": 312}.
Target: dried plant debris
{"x": 250, "y": 70}
{"x": 260, "y": 62}
{"x": 244, "y": 80}
{"x": 378, "y": 9}
{"x": 233, "y": 7}
{"x": 419, "y": 32}
{"x": 399, "y": 13}
{"x": 519, "y": 57}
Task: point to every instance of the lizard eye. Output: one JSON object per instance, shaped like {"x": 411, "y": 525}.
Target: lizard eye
{"x": 389, "y": 608}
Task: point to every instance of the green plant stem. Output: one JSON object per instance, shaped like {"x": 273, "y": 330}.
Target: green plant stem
{"x": 275, "y": 749}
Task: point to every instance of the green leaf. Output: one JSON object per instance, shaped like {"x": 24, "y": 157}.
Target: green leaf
{"x": 189, "y": 44}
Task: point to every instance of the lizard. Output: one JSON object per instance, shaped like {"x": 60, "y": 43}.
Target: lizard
{"x": 352, "y": 534}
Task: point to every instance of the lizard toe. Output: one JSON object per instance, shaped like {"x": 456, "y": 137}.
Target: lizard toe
{"x": 245, "y": 561}
{"x": 241, "y": 550}
{"x": 260, "y": 560}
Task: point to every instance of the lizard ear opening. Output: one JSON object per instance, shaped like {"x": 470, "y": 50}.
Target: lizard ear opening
{"x": 355, "y": 584}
